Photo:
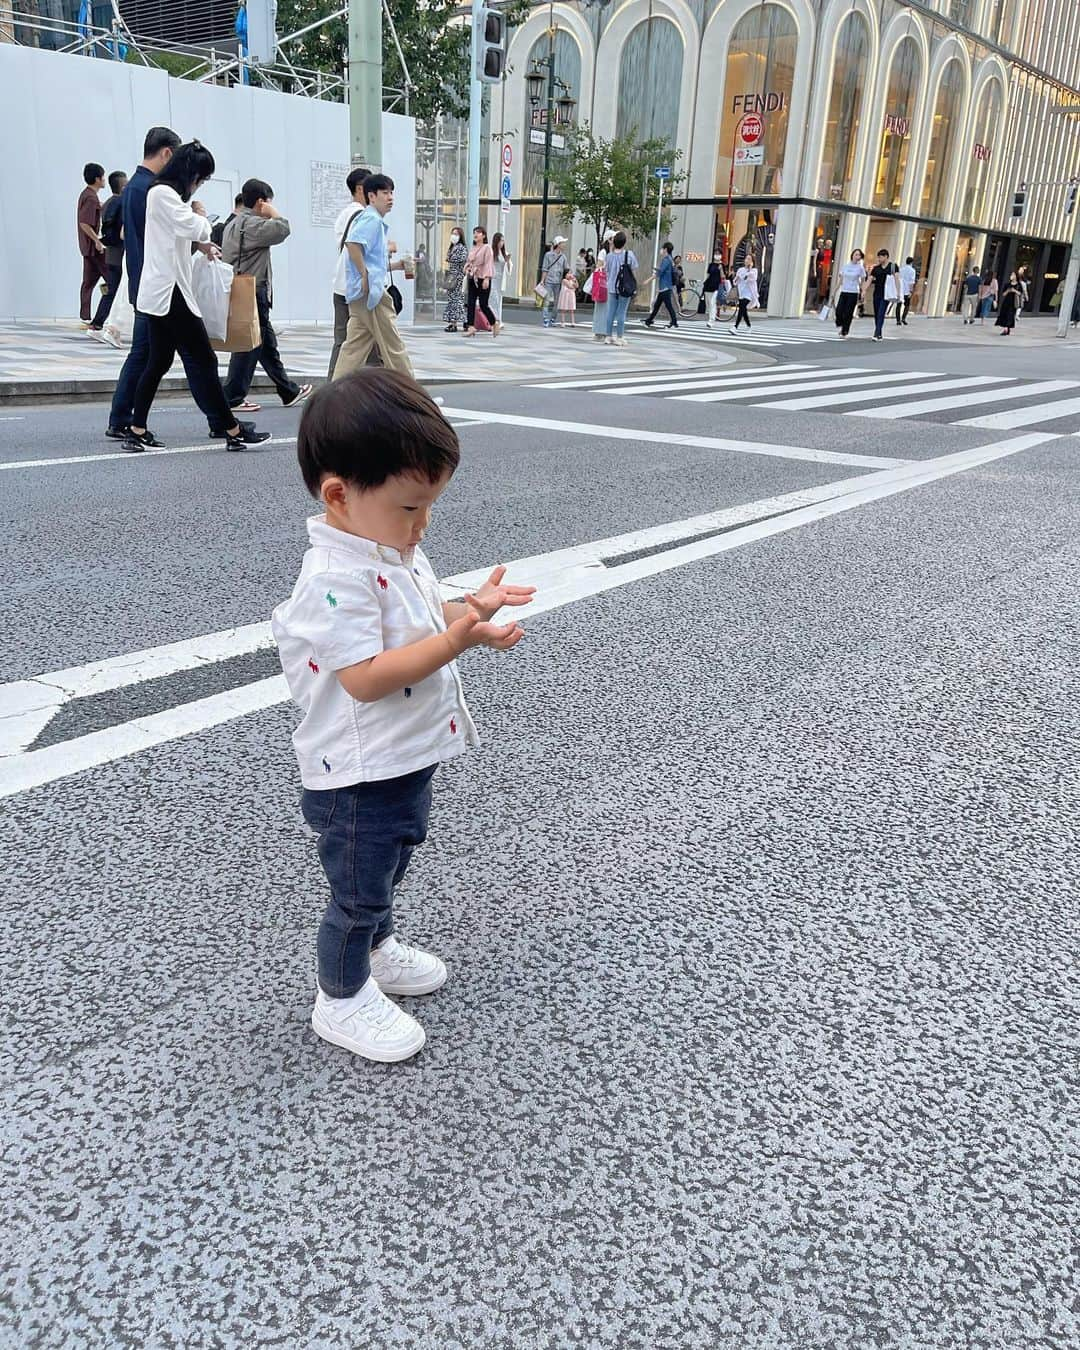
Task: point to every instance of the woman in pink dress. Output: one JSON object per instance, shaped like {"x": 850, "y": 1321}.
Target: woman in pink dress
{"x": 479, "y": 269}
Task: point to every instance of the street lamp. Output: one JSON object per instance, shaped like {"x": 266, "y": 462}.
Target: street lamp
{"x": 561, "y": 109}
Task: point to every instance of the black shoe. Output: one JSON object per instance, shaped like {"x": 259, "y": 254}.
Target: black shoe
{"x": 217, "y": 435}
{"x": 248, "y": 436}
{"x": 672, "y": 325}
{"x": 648, "y": 323}
{"x": 450, "y": 328}
{"x": 146, "y": 441}
{"x": 116, "y": 433}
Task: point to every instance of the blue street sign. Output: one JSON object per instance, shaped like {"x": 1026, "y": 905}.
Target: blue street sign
{"x": 506, "y": 189}
{"x": 664, "y": 171}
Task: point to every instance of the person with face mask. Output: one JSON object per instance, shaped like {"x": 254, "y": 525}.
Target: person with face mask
{"x": 714, "y": 279}
{"x": 457, "y": 255}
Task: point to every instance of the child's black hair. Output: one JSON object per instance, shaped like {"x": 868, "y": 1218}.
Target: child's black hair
{"x": 372, "y": 426}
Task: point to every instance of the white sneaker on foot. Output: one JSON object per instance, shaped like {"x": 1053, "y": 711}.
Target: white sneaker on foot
{"x": 401, "y": 969}
{"x": 368, "y": 1024}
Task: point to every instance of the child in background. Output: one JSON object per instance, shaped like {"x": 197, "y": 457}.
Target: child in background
{"x": 568, "y": 300}
{"x": 370, "y": 650}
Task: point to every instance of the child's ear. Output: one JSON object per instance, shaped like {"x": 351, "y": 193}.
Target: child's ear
{"x": 332, "y": 491}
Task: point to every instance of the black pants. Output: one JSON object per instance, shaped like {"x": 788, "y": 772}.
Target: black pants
{"x": 663, "y": 298}
{"x": 902, "y": 307}
{"x": 242, "y": 364}
{"x": 479, "y": 295}
{"x": 112, "y": 280}
{"x": 845, "y": 310}
{"x": 743, "y": 316}
{"x": 182, "y": 331}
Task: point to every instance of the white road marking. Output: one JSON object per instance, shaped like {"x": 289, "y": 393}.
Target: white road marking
{"x": 1025, "y": 417}
{"x": 967, "y": 400}
{"x": 12, "y": 419}
{"x": 748, "y": 380}
{"x": 707, "y": 373}
{"x": 900, "y": 391}
{"x": 676, "y": 438}
{"x": 799, "y": 386}
{"x": 582, "y": 575}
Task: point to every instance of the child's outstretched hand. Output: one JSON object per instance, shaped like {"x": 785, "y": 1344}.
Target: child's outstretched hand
{"x": 472, "y": 631}
{"x": 489, "y": 598}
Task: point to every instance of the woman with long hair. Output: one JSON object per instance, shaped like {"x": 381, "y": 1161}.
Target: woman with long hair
{"x": 166, "y": 296}
{"x": 504, "y": 268}
{"x": 746, "y": 279}
{"x": 852, "y": 282}
{"x": 1011, "y": 297}
{"x": 457, "y": 255}
{"x": 480, "y": 268}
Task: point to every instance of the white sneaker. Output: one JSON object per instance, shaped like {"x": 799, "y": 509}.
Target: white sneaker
{"x": 609, "y": 341}
{"x": 401, "y": 969}
{"x": 108, "y": 336}
{"x": 620, "y": 342}
{"x": 368, "y": 1024}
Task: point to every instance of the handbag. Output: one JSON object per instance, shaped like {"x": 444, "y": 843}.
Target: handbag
{"x": 599, "y": 286}
{"x": 824, "y": 312}
{"x": 242, "y": 329}
{"x": 890, "y": 287}
{"x": 540, "y": 290}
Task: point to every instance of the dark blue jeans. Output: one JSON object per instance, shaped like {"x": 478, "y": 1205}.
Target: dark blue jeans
{"x": 123, "y": 402}
{"x": 880, "y": 306}
{"x": 367, "y": 834}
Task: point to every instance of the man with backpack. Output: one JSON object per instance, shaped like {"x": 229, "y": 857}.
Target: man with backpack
{"x": 112, "y": 236}
{"x": 217, "y": 233}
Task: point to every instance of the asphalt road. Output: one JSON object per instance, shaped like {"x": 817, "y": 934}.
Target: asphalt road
{"x": 758, "y": 899}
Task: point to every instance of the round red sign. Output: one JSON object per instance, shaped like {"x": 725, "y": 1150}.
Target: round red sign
{"x": 750, "y": 129}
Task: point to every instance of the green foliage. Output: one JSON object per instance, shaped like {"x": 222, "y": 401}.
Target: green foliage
{"x": 176, "y": 63}
{"x": 611, "y": 183}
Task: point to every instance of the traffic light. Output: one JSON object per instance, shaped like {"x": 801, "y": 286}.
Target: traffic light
{"x": 1019, "y": 198}
{"x": 1070, "y": 198}
{"x": 490, "y": 45}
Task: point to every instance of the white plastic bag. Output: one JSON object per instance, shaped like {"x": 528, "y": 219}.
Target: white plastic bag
{"x": 121, "y": 318}
{"x": 825, "y": 312}
{"x": 212, "y": 282}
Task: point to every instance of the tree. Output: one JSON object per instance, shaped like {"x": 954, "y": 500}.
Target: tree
{"x": 434, "y": 41}
{"x": 611, "y": 183}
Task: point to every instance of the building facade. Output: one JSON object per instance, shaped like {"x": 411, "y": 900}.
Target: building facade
{"x": 889, "y": 124}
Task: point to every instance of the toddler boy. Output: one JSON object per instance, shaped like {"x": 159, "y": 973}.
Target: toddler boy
{"x": 370, "y": 650}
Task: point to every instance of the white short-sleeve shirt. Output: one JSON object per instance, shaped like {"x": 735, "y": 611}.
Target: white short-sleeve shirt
{"x": 355, "y": 598}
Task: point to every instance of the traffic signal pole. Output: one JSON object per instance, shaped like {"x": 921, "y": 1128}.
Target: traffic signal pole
{"x": 1072, "y": 277}
{"x": 365, "y": 83}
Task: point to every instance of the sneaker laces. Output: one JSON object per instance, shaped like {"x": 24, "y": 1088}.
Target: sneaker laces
{"x": 401, "y": 954}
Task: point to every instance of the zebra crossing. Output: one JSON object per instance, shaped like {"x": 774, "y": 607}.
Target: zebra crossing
{"x": 861, "y": 391}
{"x": 764, "y": 333}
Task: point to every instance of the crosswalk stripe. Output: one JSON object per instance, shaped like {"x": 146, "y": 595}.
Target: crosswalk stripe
{"x": 754, "y": 339}
{"x": 1023, "y": 417}
{"x": 966, "y": 400}
{"x": 828, "y": 401}
{"x": 800, "y": 387}
{"x": 748, "y": 381}
{"x": 597, "y": 382}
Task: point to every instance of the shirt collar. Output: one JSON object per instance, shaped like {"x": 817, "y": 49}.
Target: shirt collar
{"x": 323, "y": 535}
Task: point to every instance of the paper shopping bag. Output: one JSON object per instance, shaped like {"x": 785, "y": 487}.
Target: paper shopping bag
{"x": 242, "y": 333}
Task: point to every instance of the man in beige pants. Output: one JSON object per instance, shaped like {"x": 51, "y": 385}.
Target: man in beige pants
{"x": 372, "y": 321}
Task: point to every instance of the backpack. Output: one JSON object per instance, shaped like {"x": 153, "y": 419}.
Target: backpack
{"x": 625, "y": 281}
{"x": 217, "y": 231}
{"x": 112, "y": 220}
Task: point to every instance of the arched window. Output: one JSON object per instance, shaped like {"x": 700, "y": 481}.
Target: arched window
{"x": 567, "y": 69}
{"x": 650, "y": 77}
{"x": 845, "y": 103}
{"x": 896, "y": 133}
{"x": 987, "y": 121}
{"x": 759, "y": 78}
{"x": 943, "y": 131}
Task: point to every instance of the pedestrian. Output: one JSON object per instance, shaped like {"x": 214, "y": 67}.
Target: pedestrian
{"x": 504, "y": 270}
{"x": 1023, "y": 282}
{"x": 256, "y": 228}
{"x": 568, "y": 301}
{"x": 1074, "y": 317}
{"x": 714, "y": 276}
{"x": 987, "y": 295}
{"x": 884, "y": 276}
{"x": 581, "y": 264}
{"x": 852, "y": 281}
{"x": 907, "y": 288}
{"x": 970, "y": 298}
{"x": 1011, "y": 299}
{"x": 112, "y": 236}
{"x": 680, "y": 281}
{"x": 91, "y": 248}
{"x": 665, "y": 284}
{"x": 370, "y": 654}
{"x": 354, "y": 184}
{"x": 746, "y": 287}
{"x": 480, "y": 269}
{"x": 457, "y": 255}
{"x": 372, "y": 315}
{"x": 600, "y": 294}
{"x": 217, "y": 230}
{"x": 173, "y": 223}
{"x": 158, "y": 147}
{"x": 553, "y": 268}
{"x": 620, "y": 268}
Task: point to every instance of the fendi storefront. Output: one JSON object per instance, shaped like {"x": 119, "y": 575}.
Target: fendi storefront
{"x": 811, "y": 129}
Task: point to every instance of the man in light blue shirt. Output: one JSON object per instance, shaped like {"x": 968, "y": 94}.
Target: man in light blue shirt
{"x": 372, "y": 321}
{"x": 665, "y": 282}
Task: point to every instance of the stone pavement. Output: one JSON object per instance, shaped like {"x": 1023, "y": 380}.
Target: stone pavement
{"x": 43, "y": 359}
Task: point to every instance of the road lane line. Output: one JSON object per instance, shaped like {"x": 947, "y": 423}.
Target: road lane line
{"x": 651, "y": 437}
{"x": 19, "y": 773}
{"x": 900, "y": 391}
{"x": 1018, "y": 391}
{"x": 801, "y": 384}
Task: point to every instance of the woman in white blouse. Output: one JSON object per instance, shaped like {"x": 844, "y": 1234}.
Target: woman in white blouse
{"x": 166, "y": 296}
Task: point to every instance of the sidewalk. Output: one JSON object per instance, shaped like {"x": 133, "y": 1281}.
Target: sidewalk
{"x": 45, "y": 360}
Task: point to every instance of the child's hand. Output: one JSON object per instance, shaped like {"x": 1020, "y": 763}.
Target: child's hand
{"x": 472, "y": 631}
{"x": 489, "y": 598}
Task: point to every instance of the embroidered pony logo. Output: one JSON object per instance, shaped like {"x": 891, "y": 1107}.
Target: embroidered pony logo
{"x": 331, "y": 599}
{"x": 326, "y": 765}
{"x": 408, "y": 692}
{"x": 383, "y": 583}
{"x": 453, "y": 727}
{"x": 312, "y": 666}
